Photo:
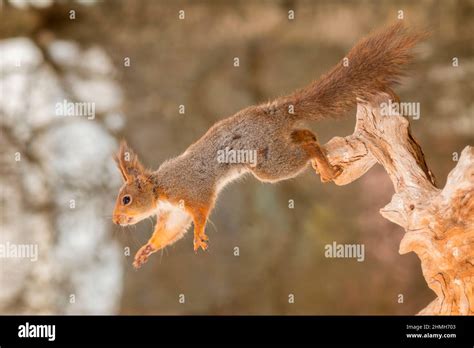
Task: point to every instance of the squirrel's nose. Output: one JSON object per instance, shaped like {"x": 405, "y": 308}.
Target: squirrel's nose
{"x": 116, "y": 219}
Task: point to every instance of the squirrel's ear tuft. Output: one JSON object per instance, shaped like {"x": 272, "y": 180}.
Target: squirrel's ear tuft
{"x": 128, "y": 163}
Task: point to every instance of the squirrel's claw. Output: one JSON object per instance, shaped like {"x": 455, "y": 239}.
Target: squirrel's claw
{"x": 142, "y": 255}
{"x": 315, "y": 166}
{"x": 328, "y": 175}
{"x": 200, "y": 242}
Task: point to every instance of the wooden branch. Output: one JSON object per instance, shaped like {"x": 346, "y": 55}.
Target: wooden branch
{"x": 439, "y": 224}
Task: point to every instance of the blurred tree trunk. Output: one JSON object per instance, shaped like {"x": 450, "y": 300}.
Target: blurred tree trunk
{"x": 57, "y": 176}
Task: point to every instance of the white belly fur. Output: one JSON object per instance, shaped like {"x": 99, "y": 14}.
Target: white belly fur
{"x": 177, "y": 217}
{"x": 234, "y": 174}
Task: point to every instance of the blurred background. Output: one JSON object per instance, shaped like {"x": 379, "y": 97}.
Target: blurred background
{"x": 138, "y": 61}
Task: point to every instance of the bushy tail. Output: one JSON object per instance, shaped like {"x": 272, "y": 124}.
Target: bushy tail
{"x": 374, "y": 65}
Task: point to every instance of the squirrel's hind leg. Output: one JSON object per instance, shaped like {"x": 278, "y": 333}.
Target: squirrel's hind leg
{"x": 319, "y": 160}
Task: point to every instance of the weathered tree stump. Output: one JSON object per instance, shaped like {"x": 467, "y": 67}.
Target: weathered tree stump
{"x": 439, "y": 223}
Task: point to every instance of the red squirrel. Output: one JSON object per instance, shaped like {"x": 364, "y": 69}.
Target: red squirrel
{"x": 184, "y": 189}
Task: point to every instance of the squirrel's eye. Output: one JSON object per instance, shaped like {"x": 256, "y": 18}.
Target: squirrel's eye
{"x": 126, "y": 200}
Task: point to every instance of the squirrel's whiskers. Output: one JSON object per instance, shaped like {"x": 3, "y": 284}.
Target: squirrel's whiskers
{"x": 263, "y": 140}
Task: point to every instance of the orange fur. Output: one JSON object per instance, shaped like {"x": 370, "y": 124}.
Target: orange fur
{"x": 185, "y": 188}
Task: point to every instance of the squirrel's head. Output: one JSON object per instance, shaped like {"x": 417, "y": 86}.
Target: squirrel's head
{"x": 136, "y": 199}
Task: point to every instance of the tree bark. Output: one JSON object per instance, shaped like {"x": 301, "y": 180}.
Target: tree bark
{"x": 439, "y": 223}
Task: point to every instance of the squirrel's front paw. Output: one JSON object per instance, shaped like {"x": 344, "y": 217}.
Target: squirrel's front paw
{"x": 200, "y": 242}
{"x": 142, "y": 255}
